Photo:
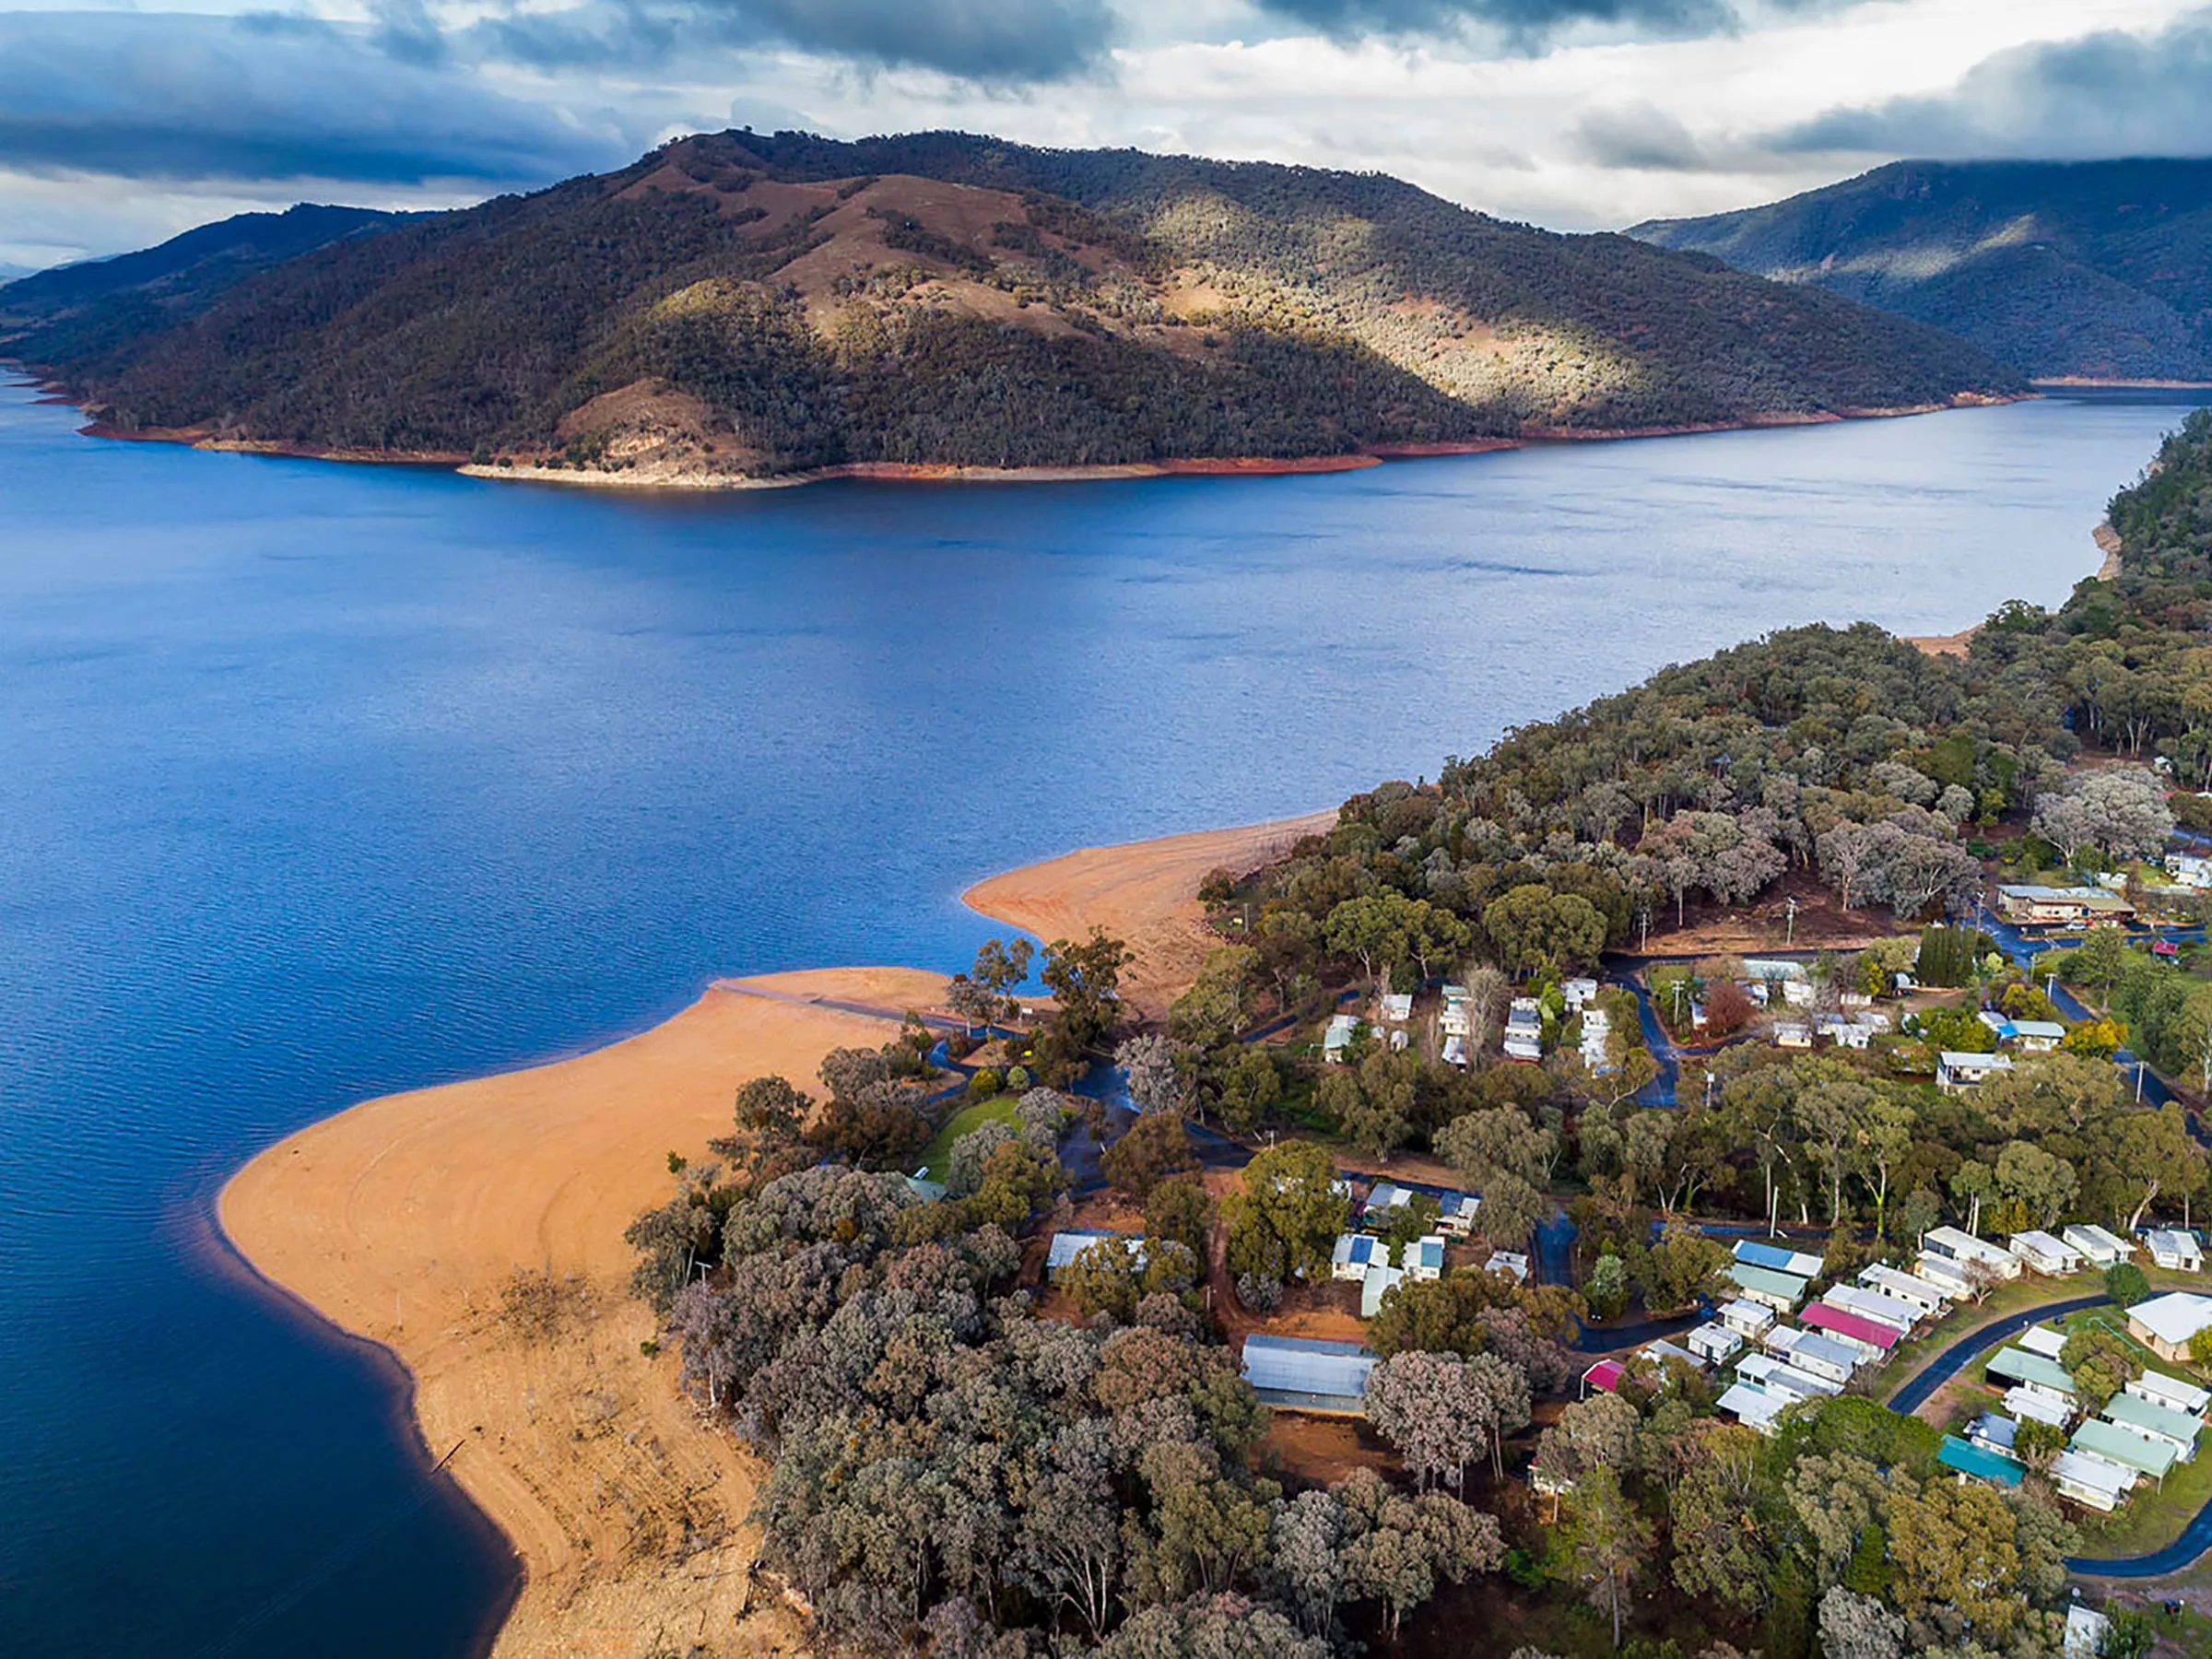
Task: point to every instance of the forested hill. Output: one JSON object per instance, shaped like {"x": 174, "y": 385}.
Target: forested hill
{"x": 1845, "y": 754}
{"x": 79, "y": 306}
{"x": 747, "y": 304}
{"x": 2097, "y": 269}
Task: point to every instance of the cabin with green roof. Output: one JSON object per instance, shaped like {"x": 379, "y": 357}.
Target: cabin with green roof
{"x": 2115, "y": 1445}
{"x": 2032, "y": 1370}
{"x": 2154, "y": 1421}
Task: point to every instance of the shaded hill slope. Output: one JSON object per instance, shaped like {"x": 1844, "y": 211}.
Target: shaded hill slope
{"x": 2094, "y": 269}
{"x": 82, "y": 308}
{"x": 734, "y": 303}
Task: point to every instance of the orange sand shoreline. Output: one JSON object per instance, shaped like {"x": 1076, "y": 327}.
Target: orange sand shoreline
{"x": 1367, "y": 455}
{"x": 401, "y": 1220}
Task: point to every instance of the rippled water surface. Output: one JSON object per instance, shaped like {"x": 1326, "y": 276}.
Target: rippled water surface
{"x": 318, "y": 781}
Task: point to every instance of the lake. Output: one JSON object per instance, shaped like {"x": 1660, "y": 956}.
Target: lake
{"x": 321, "y": 781}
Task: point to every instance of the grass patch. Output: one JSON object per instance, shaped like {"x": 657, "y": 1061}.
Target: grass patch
{"x": 2155, "y": 1515}
{"x": 2016, "y": 1296}
{"x": 937, "y": 1157}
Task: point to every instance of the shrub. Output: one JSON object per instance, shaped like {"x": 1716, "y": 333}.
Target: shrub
{"x": 1260, "y": 1293}
{"x": 2124, "y": 1283}
{"x": 984, "y": 1083}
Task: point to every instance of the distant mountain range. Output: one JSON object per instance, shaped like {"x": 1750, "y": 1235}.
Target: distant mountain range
{"x": 744, "y": 305}
{"x": 79, "y": 307}
{"x": 2098, "y": 270}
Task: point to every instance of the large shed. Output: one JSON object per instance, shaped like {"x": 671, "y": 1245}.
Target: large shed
{"x": 1306, "y": 1374}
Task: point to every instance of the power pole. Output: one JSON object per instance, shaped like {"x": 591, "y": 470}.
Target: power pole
{"x": 1789, "y": 935}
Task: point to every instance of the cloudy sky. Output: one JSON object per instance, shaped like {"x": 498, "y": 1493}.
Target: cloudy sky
{"x": 122, "y": 124}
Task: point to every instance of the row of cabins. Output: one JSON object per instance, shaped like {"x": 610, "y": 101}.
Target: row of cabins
{"x": 1849, "y": 1327}
{"x": 1951, "y": 1255}
{"x": 2140, "y": 1434}
{"x": 1455, "y": 1024}
{"x": 1843, "y": 1031}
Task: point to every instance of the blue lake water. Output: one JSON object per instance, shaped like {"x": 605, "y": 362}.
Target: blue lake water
{"x": 318, "y": 781}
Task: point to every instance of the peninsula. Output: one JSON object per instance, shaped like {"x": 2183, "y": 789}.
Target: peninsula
{"x": 738, "y": 308}
{"x": 407, "y": 1220}
{"x": 477, "y": 1229}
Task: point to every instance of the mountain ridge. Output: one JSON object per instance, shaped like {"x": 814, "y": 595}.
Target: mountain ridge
{"x": 2071, "y": 270}
{"x": 738, "y": 306}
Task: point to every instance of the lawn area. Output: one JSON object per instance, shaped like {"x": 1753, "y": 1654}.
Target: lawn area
{"x": 2030, "y": 1290}
{"x": 937, "y": 1155}
{"x": 2155, "y": 1515}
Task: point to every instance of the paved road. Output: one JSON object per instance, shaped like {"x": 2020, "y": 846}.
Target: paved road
{"x": 2196, "y": 1538}
{"x": 1660, "y": 1090}
{"x": 1955, "y": 1359}
{"x": 2026, "y": 951}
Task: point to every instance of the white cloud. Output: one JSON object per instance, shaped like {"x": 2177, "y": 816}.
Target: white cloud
{"x": 1598, "y": 132}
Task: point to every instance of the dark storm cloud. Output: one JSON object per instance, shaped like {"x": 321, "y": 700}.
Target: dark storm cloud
{"x": 989, "y": 40}
{"x": 2103, "y": 96}
{"x": 1641, "y": 137}
{"x": 1525, "y": 25}
{"x": 178, "y": 97}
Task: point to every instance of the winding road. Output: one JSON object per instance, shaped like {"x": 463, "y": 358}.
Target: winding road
{"x": 2195, "y": 1537}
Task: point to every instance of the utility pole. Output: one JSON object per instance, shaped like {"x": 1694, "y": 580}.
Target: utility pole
{"x": 1789, "y": 933}
{"x": 2139, "y": 1066}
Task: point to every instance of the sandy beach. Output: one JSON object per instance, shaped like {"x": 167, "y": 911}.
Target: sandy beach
{"x": 404, "y": 1218}
{"x": 1144, "y": 892}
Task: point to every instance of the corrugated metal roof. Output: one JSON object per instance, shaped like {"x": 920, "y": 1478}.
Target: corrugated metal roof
{"x": 2092, "y": 1472}
{"x": 2115, "y": 1445}
{"x": 1066, "y": 1246}
{"x": 2171, "y": 1391}
{"x": 1752, "y": 1405}
{"x": 2020, "y": 1366}
{"x": 1767, "y": 1281}
{"x": 1982, "y": 1464}
{"x": 1307, "y": 1368}
{"x": 1857, "y": 1326}
{"x": 2173, "y": 1317}
{"x": 1824, "y": 1350}
{"x": 2135, "y": 1412}
{"x": 1892, "y": 1310}
{"x": 1378, "y": 1280}
{"x": 1759, "y": 1253}
{"x": 1905, "y": 1286}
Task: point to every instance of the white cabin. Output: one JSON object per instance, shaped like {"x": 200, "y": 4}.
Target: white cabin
{"x": 2046, "y": 1254}
{"x": 2177, "y": 1251}
{"x": 1958, "y": 1069}
{"x": 1748, "y": 1319}
{"x": 1713, "y": 1342}
{"x": 2105, "y": 1249}
{"x": 1966, "y": 1250}
{"x": 2163, "y": 1390}
{"x": 2090, "y": 1481}
{"x": 1924, "y": 1294}
{"x": 1508, "y": 1263}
